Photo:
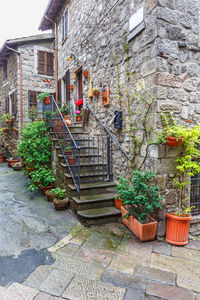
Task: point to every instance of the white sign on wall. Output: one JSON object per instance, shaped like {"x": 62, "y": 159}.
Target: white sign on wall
{"x": 136, "y": 19}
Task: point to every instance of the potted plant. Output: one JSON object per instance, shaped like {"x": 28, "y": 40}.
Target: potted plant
{"x": 68, "y": 150}
{"x": 48, "y": 115}
{"x": 7, "y": 118}
{"x": 96, "y": 92}
{"x": 45, "y": 97}
{"x": 118, "y": 202}
{"x": 105, "y": 96}
{"x": 70, "y": 160}
{"x": 33, "y": 113}
{"x": 140, "y": 198}
{"x": 172, "y": 132}
{"x": 78, "y": 115}
{"x": 71, "y": 87}
{"x": 41, "y": 178}
{"x": 85, "y": 73}
{"x": 177, "y": 226}
{"x": 59, "y": 199}
{"x": 65, "y": 110}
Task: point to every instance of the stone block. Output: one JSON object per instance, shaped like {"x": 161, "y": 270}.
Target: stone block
{"x": 171, "y": 197}
{"x": 124, "y": 280}
{"x": 150, "y": 4}
{"x": 68, "y": 250}
{"x": 56, "y": 282}
{"x": 122, "y": 264}
{"x": 45, "y": 296}
{"x": 8, "y": 295}
{"x": 155, "y": 274}
{"x": 168, "y": 292}
{"x": 161, "y": 181}
{"x": 168, "y": 15}
{"x": 149, "y": 35}
{"x": 161, "y": 229}
{"x": 157, "y": 151}
{"x": 186, "y": 20}
{"x": 169, "y": 80}
{"x": 27, "y": 292}
{"x": 84, "y": 289}
{"x": 162, "y": 248}
{"x": 38, "y": 276}
{"x": 134, "y": 295}
{"x": 191, "y": 254}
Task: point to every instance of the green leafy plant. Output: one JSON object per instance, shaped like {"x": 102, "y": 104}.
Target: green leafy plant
{"x": 6, "y": 118}
{"x": 95, "y": 90}
{"x": 42, "y": 96}
{"x": 65, "y": 109}
{"x": 35, "y": 145}
{"x": 59, "y": 193}
{"x": 41, "y": 177}
{"x": 49, "y": 114}
{"x": 170, "y": 126}
{"x": 77, "y": 113}
{"x": 139, "y": 195}
{"x": 33, "y": 113}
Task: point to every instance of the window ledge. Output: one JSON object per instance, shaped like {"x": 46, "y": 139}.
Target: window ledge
{"x": 195, "y": 219}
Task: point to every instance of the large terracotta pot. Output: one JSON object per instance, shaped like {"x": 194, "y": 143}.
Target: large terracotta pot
{"x": 177, "y": 229}
{"x": 78, "y": 119}
{"x": 1, "y": 159}
{"x": 145, "y": 232}
{"x": 173, "y": 142}
{"x": 11, "y": 162}
{"x": 118, "y": 203}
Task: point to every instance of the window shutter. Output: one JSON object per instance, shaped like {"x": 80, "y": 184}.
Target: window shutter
{"x": 41, "y": 62}
{"x": 32, "y": 98}
{"x": 59, "y": 93}
{"x": 49, "y": 70}
{"x": 67, "y": 80}
{"x": 66, "y": 22}
{"x": 15, "y": 103}
{"x": 7, "y": 105}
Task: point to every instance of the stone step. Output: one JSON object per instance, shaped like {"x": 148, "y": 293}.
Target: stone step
{"x": 93, "y": 188}
{"x": 99, "y": 215}
{"x": 84, "y": 159}
{"x": 93, "y": 201}
{"x": 96, "y": 167}
{"x": 85, "y": 176}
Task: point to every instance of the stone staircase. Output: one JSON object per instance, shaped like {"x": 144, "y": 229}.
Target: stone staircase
{"x": 96, "y": 203}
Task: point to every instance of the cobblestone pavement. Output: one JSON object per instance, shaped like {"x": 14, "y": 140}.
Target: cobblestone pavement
{"x": 99, "y": 263}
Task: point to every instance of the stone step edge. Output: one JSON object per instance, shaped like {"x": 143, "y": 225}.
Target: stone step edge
{"x": 81, "y": 165}
{"x": 99, "y": 198}
{"x": 85, "y": 186}
{"x": 103, "y": 212}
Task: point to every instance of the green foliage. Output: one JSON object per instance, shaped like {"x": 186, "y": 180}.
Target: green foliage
{"x": 65, "y": 109}
{"x": 170, "y": 127}
{"x": 35, "y": 145}
{"x": 95, "y": 90}
{"x": 41, "y": 177}
{"x": 139, "y": 195}
{"x": 49, "y": 114}
{"x": 6, "y": 117}
{"x": 59, "y": 193}
{"x": 33, "y": 113}
{"x": 42, "y": 96}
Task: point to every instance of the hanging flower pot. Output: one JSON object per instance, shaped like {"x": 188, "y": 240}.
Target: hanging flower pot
{"x": 71, "y": 87}
{"x": 177, "y": 229}
{"x": 47, "y": 100}
{"x": 173, "y": 142}
{"x": 85, "y": 73}
{"x": 96, "y": 93}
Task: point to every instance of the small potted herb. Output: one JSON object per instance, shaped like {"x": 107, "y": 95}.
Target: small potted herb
{"x": 68, "y": 150}
{"x": 172, "y": 132}
{"x": 65, "y": 110}
{"x": 45, "y": 97}
{"x": 96, "y": 92}
{"x": 60, "y": 200}
{"x": 78, "y": 115}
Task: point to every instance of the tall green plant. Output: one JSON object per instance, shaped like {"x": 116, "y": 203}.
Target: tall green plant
{"x": 139, "y": 195}
{"x": 35, "y": 145}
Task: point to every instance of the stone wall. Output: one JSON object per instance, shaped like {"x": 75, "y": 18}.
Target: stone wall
{"x": 163, "y": 60}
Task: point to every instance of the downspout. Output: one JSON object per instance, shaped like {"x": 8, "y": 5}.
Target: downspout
{"x": 20, "y": 70}
{"x": 56, "y": 54}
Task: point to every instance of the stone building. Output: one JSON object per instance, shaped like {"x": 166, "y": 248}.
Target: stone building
{"x": 147, "y": 53}
{"x": 26, "y": 68}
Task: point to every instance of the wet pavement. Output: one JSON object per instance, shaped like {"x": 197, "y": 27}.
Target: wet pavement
{"x": 48, "y": 255}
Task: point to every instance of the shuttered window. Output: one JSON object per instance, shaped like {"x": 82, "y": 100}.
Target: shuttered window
{"x": 7, "y": 105}
{"x": 13, "y": 98}
{"x": 45, "y": 63}
{"x": 32, "y": 98}
{"x": 65, "y": 24}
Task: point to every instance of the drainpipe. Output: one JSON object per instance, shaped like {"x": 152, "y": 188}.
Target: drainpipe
{"x": 56, "y": 54}
{"x": 20, "y": 70}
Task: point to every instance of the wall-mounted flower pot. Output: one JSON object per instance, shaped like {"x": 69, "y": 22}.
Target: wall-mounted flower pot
{"x": 71, "y": 87}
{"x": 118, "y": 203}
{"x": 85, "y": 73}
{"x": 47, "y": 101}
{"x": 105, "y": 96}
{"x": 145, "y": 232}
{"x": 96, "y": 94}
{"x": 68, "y": 153}
{"x": 78, "y": 118}
{"x": 177, "y": 229}
{"x": 11, "y": 162}
{"x": 15, "y": 130}
{"x": 173, "y": 142}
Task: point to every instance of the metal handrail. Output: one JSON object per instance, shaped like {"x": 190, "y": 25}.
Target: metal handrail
{"x": 108, "y": 131}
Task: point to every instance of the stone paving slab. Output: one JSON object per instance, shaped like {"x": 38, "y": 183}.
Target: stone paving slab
{"x": 9, "y": 295}
{"x": 44, "y": 296}
{"x": 56, "y": 282}
{"x": 134, "y": 295}
{"x": 168, "y": 292}
{"x": 162, "y": 248}
{"x": 25, "y": 291}
{"x": 77, "y": 267}
{"x": 123, "y": 264}
{"x": 124, "y": 280}
{"x": 84, "y": 289}
{"x": 69, "y": 250}
{"x": 193, "y": 244}
{"x": 155, "y": 274}
{"x": 39, "y": 275}
{"x": 191, "y": 254}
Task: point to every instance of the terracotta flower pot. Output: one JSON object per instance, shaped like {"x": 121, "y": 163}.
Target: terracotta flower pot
{"x": 46, "y": 188}
{"x": 49, "y": 195}
{"x": 15, "y": 130}
{"x": 145, "y": 232}
{"x": 11, "y": 162}
{"x": 104, "y": 96}
{"x": 71, "y": 87}
{"x": 85, "y": 73}
{"x": 47, "y": 100}
{"x": 177, "y": 229}
{"x": 9, "y": 121}
{"x": 173, "y": 142}
{"x": 68, "y": 153}
{"x": 70, "y": 160}
{"x": 96, "y": 94}
{"x": 68, "y": 121}
{"x": 1, "y": 159}
{"x": 78, "y": 119}
{"x": 118, "y": 203}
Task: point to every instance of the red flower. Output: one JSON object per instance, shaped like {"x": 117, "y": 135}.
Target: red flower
{"x": 188, "y": 121}
{"x": 48, "y": 81}
{"x": 79, "y": 102}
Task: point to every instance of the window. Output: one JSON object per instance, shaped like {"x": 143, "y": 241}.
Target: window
{"x": 13, "y": 98}
{"x": 65, "y": 24}
{"x": 5, "y": 74}
{"x": 45, "y": 63}
{"x": 32, "y": 101}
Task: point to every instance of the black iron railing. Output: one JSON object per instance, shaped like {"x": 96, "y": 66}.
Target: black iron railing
{"x": 88, "y": 158}
{"x": 108, "y": 131}
{"x": 195, "y": 194}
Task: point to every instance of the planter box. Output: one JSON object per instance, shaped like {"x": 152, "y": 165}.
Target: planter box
{"x": 177, "y": 229}
{"x": 145, "y": 232}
